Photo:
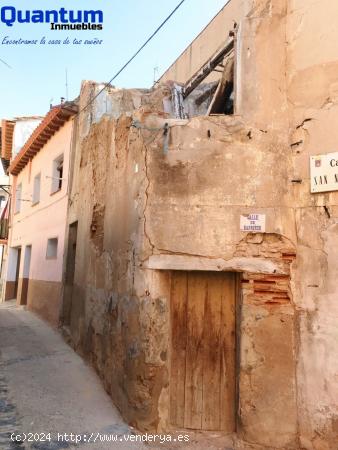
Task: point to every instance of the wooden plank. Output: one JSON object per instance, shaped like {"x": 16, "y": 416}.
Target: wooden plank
{"x": 224, "y": 88}
{"x": 207, "y": 68}
{"x": 212, "y": 353}
{"x": 203, "y": 365}
{"x": 228, "y": 354}
{"x": 197, "y": 291}
{"x": 178, "y": 310}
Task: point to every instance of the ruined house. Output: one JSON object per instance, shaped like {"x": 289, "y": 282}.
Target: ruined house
{"x": 201, "y": 267}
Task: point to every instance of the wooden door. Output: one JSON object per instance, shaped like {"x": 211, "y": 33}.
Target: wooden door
{"x": 202, "y": 382}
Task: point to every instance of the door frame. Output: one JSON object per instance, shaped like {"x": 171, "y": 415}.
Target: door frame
{"x": 238, "y": 316}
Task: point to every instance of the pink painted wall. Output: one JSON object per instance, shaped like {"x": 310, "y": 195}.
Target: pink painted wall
{"x": 35, "y": 224}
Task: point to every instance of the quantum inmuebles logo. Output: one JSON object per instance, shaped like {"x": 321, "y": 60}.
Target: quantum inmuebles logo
{"x": 60, "y": 19}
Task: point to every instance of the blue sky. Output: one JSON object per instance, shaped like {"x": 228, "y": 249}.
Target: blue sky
{"x": 37, "y": 74}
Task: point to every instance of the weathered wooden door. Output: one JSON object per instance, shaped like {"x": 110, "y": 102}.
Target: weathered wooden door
{"x": 202, "y": 382}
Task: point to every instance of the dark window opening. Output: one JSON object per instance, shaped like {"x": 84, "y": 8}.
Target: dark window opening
{"x": 59, "y": 170}
{"x": 223, "y": 101}
{"x": 199, "y": 96}
{"x": 57, "y": 176}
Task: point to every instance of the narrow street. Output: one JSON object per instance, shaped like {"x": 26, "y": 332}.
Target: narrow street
{"x": 47, "y": 388}
{"x": 48, "y": 392}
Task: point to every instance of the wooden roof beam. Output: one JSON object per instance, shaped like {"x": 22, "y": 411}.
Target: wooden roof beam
{"x": 207, "y": 68}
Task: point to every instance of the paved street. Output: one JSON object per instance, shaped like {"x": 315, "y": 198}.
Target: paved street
{"x": 45, "y": 387}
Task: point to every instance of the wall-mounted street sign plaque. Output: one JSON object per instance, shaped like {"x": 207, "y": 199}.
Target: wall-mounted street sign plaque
{"x": 254, "y": 223}
{"x": 324, "y": 172}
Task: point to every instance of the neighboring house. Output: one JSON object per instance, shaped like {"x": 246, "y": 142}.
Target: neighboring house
{"x": 201, "y": 275}
{"x": 4, "y": 216}
{"x": 14, "y": 134}
{"x": 39, "y": 179}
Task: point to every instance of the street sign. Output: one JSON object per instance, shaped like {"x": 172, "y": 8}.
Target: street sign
{"x": 324, "y": 172}
{"x": 254, "y": 223}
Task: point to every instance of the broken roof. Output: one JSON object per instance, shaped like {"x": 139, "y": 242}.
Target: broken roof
{"x": 52, "y": 122}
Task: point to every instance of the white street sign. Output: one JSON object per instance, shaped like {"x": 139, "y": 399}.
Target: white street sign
{"x": 324, "y": 172}
{"x": 254, "y": 223}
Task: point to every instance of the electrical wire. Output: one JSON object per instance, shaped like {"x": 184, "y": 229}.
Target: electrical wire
{"x": 133, "y": 57}
{"x": 4, "y": 62}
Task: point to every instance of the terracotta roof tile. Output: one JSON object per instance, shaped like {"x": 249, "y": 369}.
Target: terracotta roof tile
{"x": 52, "y": 122}
{"x": 7, "y": 130}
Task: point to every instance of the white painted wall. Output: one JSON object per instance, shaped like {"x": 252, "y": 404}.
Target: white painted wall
{"x": 22, "y": 131}
{"x": 36, "y": 223}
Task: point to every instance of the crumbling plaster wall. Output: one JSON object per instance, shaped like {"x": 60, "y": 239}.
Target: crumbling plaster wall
{"x": 141, "y": 208}
{"x": 312, "y": 68}
{"x": 114, "y": 321}
{"x": 136, "y": 201}
{"x": 216, "y": 169}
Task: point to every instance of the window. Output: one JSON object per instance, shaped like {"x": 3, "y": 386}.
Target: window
{"x": 201, "y": 96}
{"x": 223, "y": 101}
{"x": 52, "y": 248}
{"x": 18, "y": 194}
{"x": 57, "y": 174}
{"x": 36, "y": 189}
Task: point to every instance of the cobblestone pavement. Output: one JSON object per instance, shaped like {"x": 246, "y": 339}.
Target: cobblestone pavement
{"x": 45, "y": 387}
